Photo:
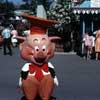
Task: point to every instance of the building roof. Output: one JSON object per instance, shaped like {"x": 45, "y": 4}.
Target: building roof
{"x": 85, "y": 4}
{"x": 88, "y": 6}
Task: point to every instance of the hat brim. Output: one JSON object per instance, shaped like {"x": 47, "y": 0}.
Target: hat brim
{"x": 38, "y": 19}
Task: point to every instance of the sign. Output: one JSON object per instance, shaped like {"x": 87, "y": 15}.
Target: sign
{"x": 95, "y": 3}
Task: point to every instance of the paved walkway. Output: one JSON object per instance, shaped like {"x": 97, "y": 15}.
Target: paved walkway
{"x": 78, "y": 79}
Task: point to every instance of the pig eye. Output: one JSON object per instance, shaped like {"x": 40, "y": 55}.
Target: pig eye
{"x": 36, "y": 48}
{"x": 44, "y": 48}
{"x": 35, "y": 40}
{"x": 43, "y": 38}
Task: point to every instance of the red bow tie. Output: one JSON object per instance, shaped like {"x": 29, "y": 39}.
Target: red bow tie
{"x": 38, "y": 69}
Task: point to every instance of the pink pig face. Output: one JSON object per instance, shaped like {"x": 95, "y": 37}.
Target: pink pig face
{"x": 38, "y": 49}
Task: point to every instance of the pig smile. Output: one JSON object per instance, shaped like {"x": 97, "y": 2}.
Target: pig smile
{"x": 40, "y": 60}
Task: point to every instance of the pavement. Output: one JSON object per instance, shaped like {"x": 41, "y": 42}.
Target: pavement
{"x": 78, "y": 79}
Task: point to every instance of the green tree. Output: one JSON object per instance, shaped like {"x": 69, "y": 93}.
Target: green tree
{"x": 29, "y": 5}
{"x": 61, "y": 13}
{"x": 6, "y": 7}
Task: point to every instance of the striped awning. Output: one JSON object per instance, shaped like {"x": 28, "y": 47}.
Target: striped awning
{"x": 86, "y": 10}
{"x": 87, "y": 7}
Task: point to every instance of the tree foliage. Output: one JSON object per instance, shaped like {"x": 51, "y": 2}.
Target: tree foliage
{"x": 6, "y": 7}
{"x": 29, "y": 5}
{"x": 61, "y": 13}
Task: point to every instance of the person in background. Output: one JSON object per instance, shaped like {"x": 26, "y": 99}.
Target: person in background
{"x": 1, "y": 38}
{"x": 97, "y": 44}
{"x": 6, "y": 34}
{"x": 88, "y": 42}
{"x": 14, "y": 40}
{"x": 93, "y": 46}
{"x": 1, "y": 41}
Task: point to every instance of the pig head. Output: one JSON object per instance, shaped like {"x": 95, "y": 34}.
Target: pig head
{"x": 38, "y": 49}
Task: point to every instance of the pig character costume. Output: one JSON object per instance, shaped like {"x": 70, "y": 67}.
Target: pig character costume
{"x": 38, "y": 75}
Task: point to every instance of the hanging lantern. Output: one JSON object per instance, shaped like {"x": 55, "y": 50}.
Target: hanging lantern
{"x": 78, "y": 11}
{"x": 87, "y": 11}
{"x": 92, "y": 12}
{"x": 96, "y": 12}
{"x": 74, "y": 11}
{"x": 83, "y": 11}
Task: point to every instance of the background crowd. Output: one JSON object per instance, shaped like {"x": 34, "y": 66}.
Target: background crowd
{"x": 68, "y": 29}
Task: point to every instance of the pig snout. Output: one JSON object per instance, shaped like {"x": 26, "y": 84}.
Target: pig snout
{"x": 40, "y": 57}
{"x": 40, "y": 54}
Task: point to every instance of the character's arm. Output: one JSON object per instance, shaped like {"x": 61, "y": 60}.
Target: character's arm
{"x": 24, "y": 73}
{"x": 53, "y": 73}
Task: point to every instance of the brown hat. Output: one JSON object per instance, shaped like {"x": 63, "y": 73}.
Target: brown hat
{"x": 38, "y": 25}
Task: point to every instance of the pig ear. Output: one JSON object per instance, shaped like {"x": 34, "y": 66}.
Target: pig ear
{"x": 23, "y": 44}
{"x": 21, "y": 38}
{"x": 54, "y": 38}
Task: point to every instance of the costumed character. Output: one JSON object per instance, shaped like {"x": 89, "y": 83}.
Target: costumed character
{"x": 38, "y": 75}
